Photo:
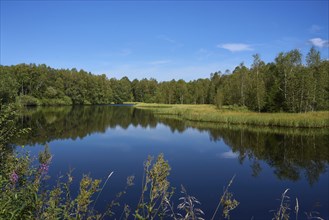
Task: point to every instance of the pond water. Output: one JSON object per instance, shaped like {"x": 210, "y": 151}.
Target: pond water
{"x": 203, "y": 157}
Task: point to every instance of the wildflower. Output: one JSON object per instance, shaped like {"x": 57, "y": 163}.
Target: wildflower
{"x": 14, "y": 177}
{"x": 44, "y": 168}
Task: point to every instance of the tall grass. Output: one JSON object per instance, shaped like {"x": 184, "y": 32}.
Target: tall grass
{"x": 240, "y": 116}
{"x": 201, "y": 125}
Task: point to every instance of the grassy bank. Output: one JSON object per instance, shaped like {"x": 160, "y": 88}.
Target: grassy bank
{"x": 239, "y": 116}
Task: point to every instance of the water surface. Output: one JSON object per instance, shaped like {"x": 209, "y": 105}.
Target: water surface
{"x": 203, "y": 157}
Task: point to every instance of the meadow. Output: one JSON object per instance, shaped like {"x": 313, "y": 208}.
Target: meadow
{"x": 239, "y": 116}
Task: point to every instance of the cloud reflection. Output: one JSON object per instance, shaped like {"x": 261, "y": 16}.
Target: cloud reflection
{"x": 228, "y": 155}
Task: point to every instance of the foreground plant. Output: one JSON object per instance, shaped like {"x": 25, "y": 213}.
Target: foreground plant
{"x": 226, "y": 202}
{"x": 189, "y": 207}
{"x": 24, "y": 194}
{"x": 155, "y": 189}
{"x": 284, "y": 210}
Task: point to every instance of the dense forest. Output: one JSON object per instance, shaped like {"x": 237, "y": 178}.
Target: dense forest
{"x": 287, "y": 84}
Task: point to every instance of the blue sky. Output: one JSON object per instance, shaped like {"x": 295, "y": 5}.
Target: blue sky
{"x": 163, "y": 40}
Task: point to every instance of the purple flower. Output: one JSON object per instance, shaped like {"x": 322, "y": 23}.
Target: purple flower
{"x": 44, "y": 168}
{"x": 14, "y": 177}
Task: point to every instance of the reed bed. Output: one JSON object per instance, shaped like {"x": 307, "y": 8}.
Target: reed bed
{"x": 240, "y": 116}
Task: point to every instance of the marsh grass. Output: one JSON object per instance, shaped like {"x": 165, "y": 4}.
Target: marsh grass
{"x": 238, "y": 127}
{"x": 284, "y": 211}
{"x": 240, "y": 116}
{"x": 189, "y": 206}
{"x": 107, "y": 179}
{"x": 284, "y": 208}
{"x": 226, "y": 201}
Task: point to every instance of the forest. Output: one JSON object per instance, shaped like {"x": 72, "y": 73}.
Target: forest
{"x": 288, "y": 84}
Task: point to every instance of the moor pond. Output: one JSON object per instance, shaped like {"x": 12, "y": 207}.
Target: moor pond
{"x": 203, "y": 157}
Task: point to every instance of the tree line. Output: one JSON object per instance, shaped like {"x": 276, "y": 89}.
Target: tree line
{"x": 286, "y": 84}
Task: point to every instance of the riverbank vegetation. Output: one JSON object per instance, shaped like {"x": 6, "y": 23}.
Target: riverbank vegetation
{"x": 239, "y": 116}
{"x": 25, "y": 195}
{"x": 288, "y": 84}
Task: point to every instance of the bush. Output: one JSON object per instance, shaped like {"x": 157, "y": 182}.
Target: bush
{"x": 27, "y": 100}
{"x": 59, "y": 101}
{"x": 51, "y": 92}
{"x": 23, "y": 195}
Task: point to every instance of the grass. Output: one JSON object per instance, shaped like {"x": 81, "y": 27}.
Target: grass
{"x": 208, "y": 126}
{"x": 239, "y": 115}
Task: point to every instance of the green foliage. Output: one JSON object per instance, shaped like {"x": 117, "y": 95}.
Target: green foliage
{"x": 22, "y": 183}
{"x": 235, "y": 115}
{"x": 27, "y": 100}
{"x": 23, "y": 195}
{"x": 65, "y": 100}
{"x": 284, "y": 85}
{"x": 8, "y": 128}
{"x": 41, "y": 85}
{"x": 188, "y": 206}
{"x": 144, "y": 90}
{"x": 226, "y": 202}
{"x": 122, "y": 91}
{"x": 8, "y": 87}
{"x": 155, "y": 189}
{"x": 51, "y": 92}
{"x": 219, "y": 99}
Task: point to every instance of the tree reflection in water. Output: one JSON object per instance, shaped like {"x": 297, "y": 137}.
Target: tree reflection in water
{"x": 290, "y": 152}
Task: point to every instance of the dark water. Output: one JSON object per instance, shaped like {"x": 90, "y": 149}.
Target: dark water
{"x": 203, "y": 157}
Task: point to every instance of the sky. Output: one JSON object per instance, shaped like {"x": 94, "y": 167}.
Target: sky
{"x": 160, "y": 39}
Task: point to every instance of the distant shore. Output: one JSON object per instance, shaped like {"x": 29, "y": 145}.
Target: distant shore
{"x": 239, "y": 116}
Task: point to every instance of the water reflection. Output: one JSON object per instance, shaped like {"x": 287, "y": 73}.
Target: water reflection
{"x": 292, "y": 153}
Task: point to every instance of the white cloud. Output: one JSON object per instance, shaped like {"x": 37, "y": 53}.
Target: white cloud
{"x": 115, "y": 53}
{"x": 173, "y": 42}
{"x": 318, "y": 42}
{"x": 204, "y": 54}
{"x": 236, "y": 47}
{"x": 166, "y": 38}
{"x": 159, "y": 62}
{"x": 314, "y": 29}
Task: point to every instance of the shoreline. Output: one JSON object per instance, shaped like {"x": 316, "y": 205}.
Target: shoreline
{"x": 226, "y": 115}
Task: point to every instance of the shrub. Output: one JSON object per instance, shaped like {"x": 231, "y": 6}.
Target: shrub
{"x": 27, "y": 100}
{"x": 59, "y": 101}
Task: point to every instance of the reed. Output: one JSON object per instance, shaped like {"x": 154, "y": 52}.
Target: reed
{"x": 108, "y": 177}
{"x": 239, "y": 116}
